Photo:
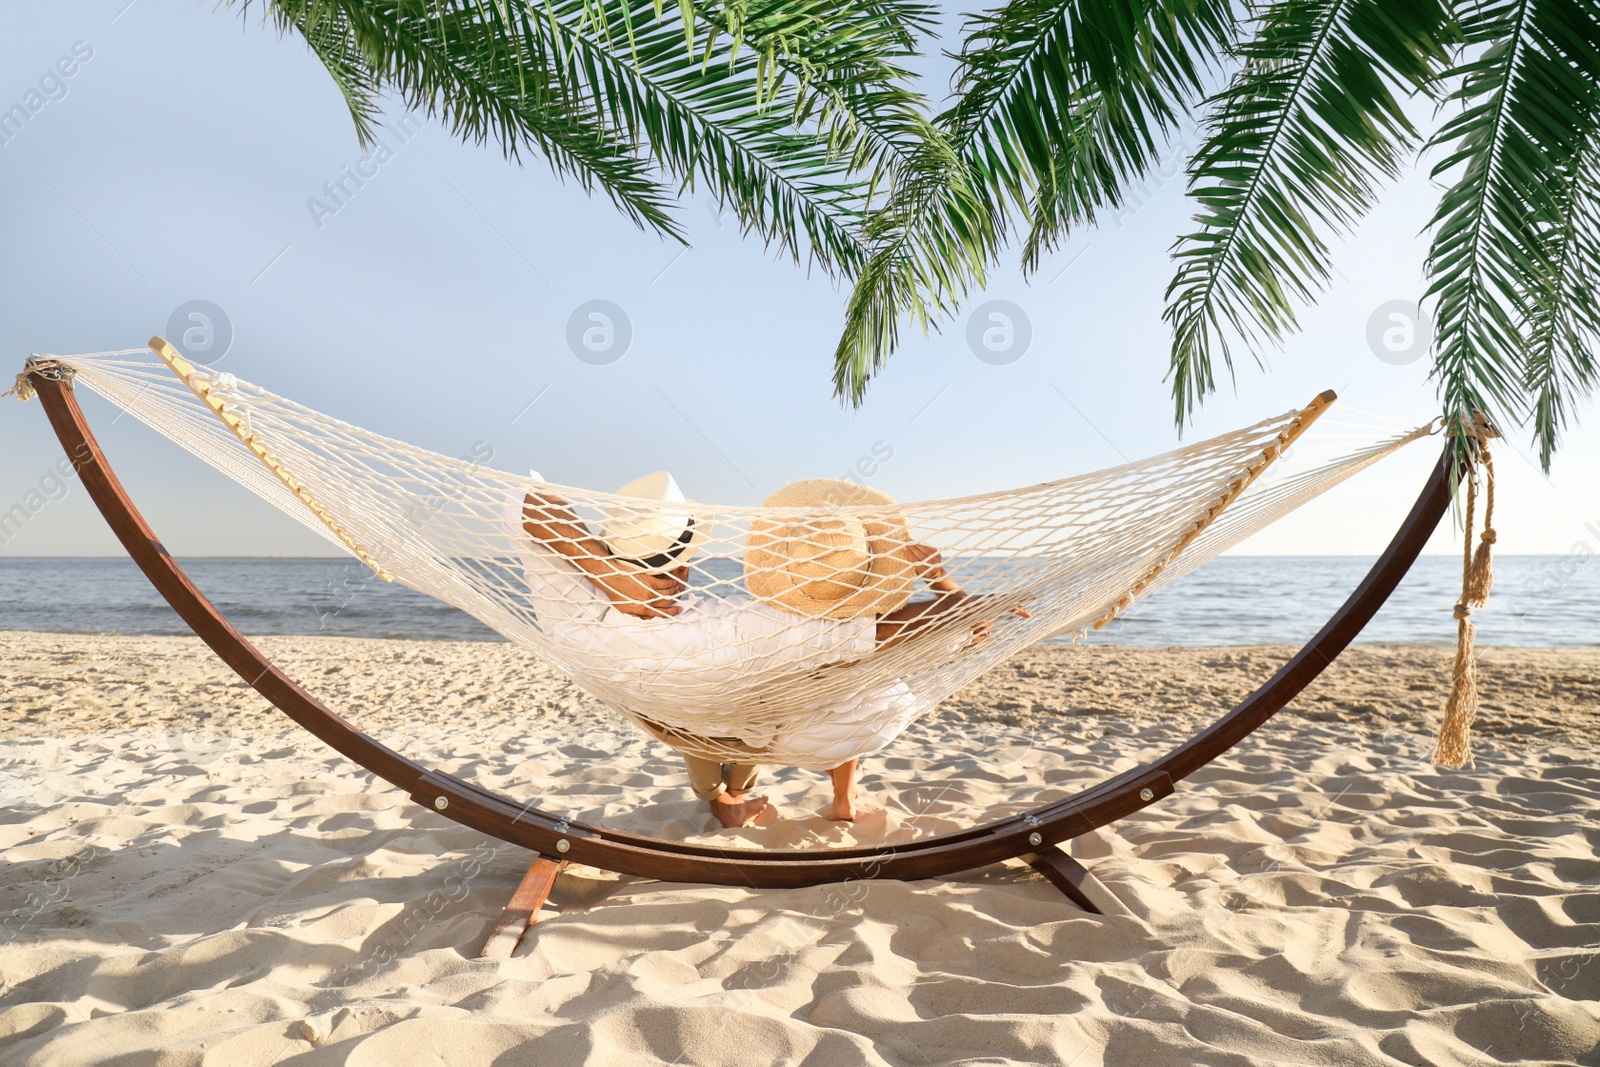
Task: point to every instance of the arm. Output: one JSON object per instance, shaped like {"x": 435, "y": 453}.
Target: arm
{"x": 898, "y": 626}
{"x": 905, "y": 622}
{"x": 930, "y": 567}
{"x": 901, "y": 624}
{"x": 551, "y": 522}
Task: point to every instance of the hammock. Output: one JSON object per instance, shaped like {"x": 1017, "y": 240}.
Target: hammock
{"x": 1070, "y": 554}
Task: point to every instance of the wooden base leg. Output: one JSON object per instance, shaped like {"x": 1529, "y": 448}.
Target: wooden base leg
{"x": 1076, "y": 881}
{"x": 522, "y": 911}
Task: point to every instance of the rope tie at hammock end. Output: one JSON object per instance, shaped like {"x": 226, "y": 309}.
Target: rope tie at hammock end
{"x": 1480, "y": 574}
{"x": 1453, "y": 747}
{"x": 23, "y": 388}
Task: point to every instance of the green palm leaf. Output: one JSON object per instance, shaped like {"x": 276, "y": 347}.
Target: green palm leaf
{"x": 329, "y": 34}
{"x": 780, "y": 130}
{"x": 802, "y": 117}
{"x": 1059, "y": 104}
{"x": 1122, "y": 115}
{"x": 791, "y": 114}
{"x": 1295, "y": 148}
{"x": 930, "y": 241}
{"x": 459, "y": 62}
{"x": 1563, "y": 328}
{"x": 1511, "y": 261}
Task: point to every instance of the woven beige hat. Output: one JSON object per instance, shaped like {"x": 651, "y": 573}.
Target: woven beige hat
{"x": 831, "y": 559}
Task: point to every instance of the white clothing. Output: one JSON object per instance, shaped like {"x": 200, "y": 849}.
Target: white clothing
{"x": 835, "y": 727}
{"x": 844, "y": 729}
{"x": 693, "y": 670}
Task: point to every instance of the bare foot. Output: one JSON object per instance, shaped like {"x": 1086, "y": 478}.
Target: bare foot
{"x": 737, "y": 809}
{"x": 843, "y": 809}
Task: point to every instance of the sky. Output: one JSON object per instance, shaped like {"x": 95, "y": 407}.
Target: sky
{"x": 186, "y": 156}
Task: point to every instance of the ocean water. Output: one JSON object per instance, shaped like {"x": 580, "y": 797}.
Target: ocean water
{"x": 1539, "y": 601}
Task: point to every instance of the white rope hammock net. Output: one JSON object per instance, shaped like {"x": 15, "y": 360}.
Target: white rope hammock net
{"x": 734, "y": 677}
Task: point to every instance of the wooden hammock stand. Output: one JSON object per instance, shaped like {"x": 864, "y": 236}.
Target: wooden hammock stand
{"x": 1033, "y": 837}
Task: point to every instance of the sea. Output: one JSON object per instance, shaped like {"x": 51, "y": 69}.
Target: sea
{"x": 1538, "y": 602}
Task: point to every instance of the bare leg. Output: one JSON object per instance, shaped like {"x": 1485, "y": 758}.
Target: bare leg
{"x": 843, "y": 808}
{"x": 736, "y": 809}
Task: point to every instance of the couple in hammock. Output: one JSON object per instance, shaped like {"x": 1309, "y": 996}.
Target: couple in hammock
{"x": 827, "y": 588}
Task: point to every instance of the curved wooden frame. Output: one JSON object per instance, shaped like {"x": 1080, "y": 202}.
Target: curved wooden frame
{"x": 1018, "y": 836}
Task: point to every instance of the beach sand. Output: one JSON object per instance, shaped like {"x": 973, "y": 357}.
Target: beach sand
{"x": 188, "y": 878}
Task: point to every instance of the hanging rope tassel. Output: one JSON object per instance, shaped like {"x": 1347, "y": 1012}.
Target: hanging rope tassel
{"x": 1453, "y": 747}
{"x": 1480, "y": 579}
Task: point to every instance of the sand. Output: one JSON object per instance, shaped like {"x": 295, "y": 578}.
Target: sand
{"x": 189, "y": 879}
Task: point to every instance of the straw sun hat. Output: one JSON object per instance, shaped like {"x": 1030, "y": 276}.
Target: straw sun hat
{"x": 651, "y": 537}
{"x": 830, "y": 558}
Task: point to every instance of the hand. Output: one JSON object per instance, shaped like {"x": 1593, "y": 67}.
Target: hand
{"x": 929, "y": 565}
{"x": 644, "y": 596}
{"x": 983, "y": 626}
{"x": 550, "y": 522}
{"x": 903, "y": 623}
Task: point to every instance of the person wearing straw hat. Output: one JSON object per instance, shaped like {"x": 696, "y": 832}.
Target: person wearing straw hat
{"x": 844, "y": 551}
{"x": 623, "y": 596}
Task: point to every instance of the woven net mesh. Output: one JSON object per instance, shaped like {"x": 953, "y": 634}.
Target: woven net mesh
{"x": 699, "y": 660}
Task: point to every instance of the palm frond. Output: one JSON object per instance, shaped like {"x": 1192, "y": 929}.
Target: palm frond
{"x": 933, "y": 238}
{"x": 457, "y": 61}
{"x": 789, "y": 113}
{"x": 1119, "y": 117}
{"x": 849, "y": 85}
{"x": 1059, "y": 104}
{"x": 1513, "y": 240}
{"x": 1563, "y": 327}
{"x": 793, "y": 129}
{"x": 327, "y": 32}
{"x": 1293, "y": 151}
{"x": 803, "y": 117}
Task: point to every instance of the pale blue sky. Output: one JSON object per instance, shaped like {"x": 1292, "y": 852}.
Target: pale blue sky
{"x": 433, "y": 307}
